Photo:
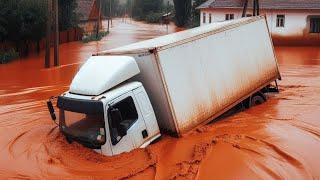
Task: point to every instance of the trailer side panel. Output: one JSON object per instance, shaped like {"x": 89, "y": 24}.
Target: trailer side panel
{"x": 204, "y": 76}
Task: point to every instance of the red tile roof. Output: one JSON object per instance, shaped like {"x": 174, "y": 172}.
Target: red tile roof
{"x": 264, "y": 4}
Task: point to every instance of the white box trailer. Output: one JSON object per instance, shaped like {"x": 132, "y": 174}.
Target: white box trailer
{"x": 120, "y": 97}
{"x": 194, "y": 76}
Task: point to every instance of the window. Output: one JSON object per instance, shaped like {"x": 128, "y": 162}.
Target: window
{"x": 204, "y": 18}
{"x": 210, "y": 18}
{"x": 122, "y": 116}
{"x": 280, "y": 20}
{"x": 229, "y": 16}
{"x": 87, "y": 129}
{"x": 82, "y": 121}
{"x": 315, "y": 25}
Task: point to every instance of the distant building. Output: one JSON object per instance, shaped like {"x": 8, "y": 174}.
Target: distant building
{"x": 88, "y": 14}
{"x": 288, "y": 20}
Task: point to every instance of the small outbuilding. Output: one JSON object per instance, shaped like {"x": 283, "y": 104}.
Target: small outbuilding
{"x": 88, "y": 11}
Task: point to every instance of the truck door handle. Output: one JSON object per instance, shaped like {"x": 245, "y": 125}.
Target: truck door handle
{"x": 144, "y": 134}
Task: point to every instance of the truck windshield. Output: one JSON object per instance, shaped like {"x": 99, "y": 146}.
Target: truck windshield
{"x": 87, "y": 129}
{"x": 82, "y": 121}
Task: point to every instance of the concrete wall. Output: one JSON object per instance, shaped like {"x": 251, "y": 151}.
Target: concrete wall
{"x": 296, "y": 27}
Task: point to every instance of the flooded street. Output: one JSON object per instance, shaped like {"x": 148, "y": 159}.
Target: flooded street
{"x": 279, "y": 139}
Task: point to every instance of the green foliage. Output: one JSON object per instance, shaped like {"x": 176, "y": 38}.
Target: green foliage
{"x": 94, "y": 37}
{"x": 32, "y": 20}
{"x": 153, "y": 18}
{"x": 148, "y": 10}
{"x": 7, "y": 56}
{"x": 25, "y": 20}
{"x": 196, "y": 13}
{"x": 117, "y": 9}
{"x": 68, "y": 18}
{"x": 183, "y": 12}
{"x": 22, "y": 20}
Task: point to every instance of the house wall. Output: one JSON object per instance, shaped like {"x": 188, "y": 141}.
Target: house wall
{"x": 89, "y": 26}
{"x": 296, "y": 27}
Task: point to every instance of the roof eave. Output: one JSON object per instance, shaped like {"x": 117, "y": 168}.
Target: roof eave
{"x": 260, "y": 8}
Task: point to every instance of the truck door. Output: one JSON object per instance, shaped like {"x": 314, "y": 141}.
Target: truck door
{"x": 125, "y": 122}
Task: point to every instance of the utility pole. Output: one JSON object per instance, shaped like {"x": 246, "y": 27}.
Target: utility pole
{"x": 110, "y": 11}
{"x": 56, "y": 32}
{"x": 254, "y": 7}
{"x": 245, "y": 6}
{"x": 48, "y": 34}
{"x": 132, "y": 1}
{"x": 258, "y": 7}
{"x": 99, "y": 18}
{"x": 167, "y": 17}
{"x": 109, "y": 16}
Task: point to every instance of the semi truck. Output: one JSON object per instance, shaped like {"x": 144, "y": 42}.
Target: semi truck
{"x": 125, "y": 98}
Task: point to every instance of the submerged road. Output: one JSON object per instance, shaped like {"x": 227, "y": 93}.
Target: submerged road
{"x": 279, "y": 139}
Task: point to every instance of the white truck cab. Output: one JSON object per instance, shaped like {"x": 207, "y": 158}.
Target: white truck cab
{"x": 103, "y": 117}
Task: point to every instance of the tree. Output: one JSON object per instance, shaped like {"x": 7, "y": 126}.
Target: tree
{"x": 11, "y": 21}
{"x": 3, "y": 20}
{"x": 22, "y": 21}
{"x": 68, "y": 17}
{"x": 142, "y": 8}
{"x": 32, "y": 17}
{"x": 183, "y": 12}
{"x": 117, "y": 8}
{"x": 196, "y": 12}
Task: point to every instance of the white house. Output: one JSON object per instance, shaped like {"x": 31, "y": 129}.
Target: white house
{"x": 289, "y": 21}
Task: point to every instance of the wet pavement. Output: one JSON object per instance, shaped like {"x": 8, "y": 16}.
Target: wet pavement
{"x": 279, "y": 139}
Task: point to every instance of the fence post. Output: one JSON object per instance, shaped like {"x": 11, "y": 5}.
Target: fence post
{"x": 56, "y": 32}
{"x": 48, "y": 34}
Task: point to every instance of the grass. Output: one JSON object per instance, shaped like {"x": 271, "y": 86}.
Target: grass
{"x": 93, "y": 37}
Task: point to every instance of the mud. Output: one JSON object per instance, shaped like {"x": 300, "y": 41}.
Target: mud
{"x": 279, "y": 139}
{"x": 305, "y": 39}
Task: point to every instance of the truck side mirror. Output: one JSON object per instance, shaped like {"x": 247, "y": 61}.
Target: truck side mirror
{"x": 51, "y": 110}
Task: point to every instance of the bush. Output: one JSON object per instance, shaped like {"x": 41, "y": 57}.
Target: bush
{"x": 154, "y": 17}
{"x": 6, "y": 57}
{"x": 93, "y": 37}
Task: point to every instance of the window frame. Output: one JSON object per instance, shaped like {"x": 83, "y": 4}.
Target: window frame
{"x": 229, "y": 17}
{"x": 280, "y": 21}
{"x": 204, "y": 17}
{"x": 110, "y": 119}
{"x": 314, "y": 29}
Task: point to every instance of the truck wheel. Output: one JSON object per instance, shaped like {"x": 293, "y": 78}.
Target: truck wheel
{"x": 69, "y": 140}
{"x": 256, "y": 99}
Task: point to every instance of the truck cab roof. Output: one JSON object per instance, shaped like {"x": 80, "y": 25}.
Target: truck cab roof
{"x": 101, "y": 73}
{"x": 109, "y": 95}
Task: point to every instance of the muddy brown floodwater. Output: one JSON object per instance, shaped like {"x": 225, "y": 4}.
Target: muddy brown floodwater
{"x": 279, "y": 139}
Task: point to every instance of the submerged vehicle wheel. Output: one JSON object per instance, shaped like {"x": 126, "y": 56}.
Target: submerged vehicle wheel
{"x": 257, "y": 100}
{"x": 69, "y": 140}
